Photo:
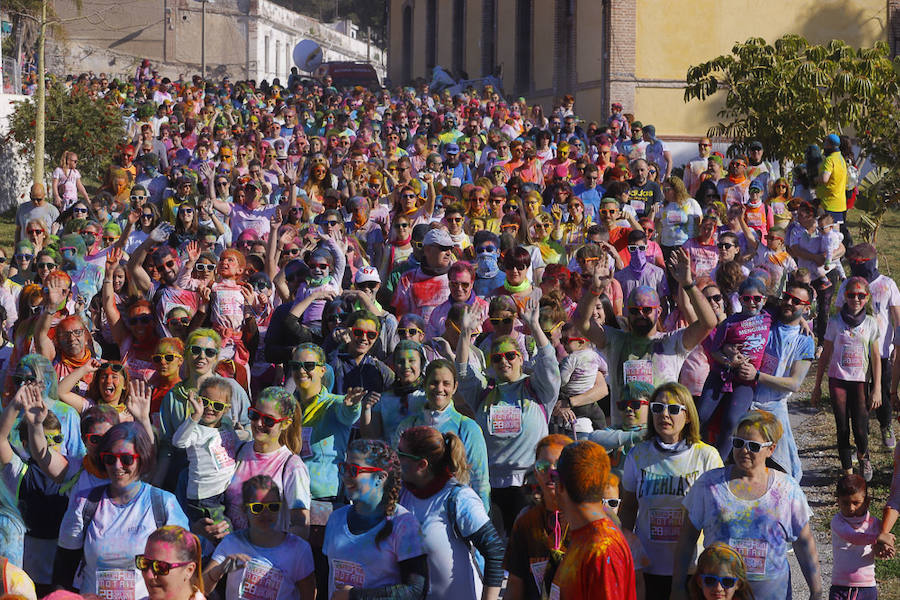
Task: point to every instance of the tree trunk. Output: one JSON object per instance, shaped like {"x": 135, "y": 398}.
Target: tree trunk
{"x": 41, "y": 93}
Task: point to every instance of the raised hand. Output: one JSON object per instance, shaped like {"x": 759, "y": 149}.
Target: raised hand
{"x": 32, "y": 403}
{"x": 680, "y": 267}
{"x": 248, "y": 293}
{"x": 354, "y": 396}
{"x": 196, "y": 407}
{"x": 471, "y": 319}
{"x": 205, "y": 294}
{"x": 56, "y": 294}
{"x": 134, "y": 215}
{"x": 531, "y": 312}
{"x": 138, "y": 402}
{"x": 427, "y": 178}
{"x": 193, "y": 250}
{"x": 161, "y": 232}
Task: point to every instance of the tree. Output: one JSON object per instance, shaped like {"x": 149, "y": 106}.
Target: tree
{"x": 791, "y": 94}
{"x": 90, "y": 127}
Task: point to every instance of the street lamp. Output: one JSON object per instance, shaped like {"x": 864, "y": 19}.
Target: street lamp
{"x": 203, "y": 37}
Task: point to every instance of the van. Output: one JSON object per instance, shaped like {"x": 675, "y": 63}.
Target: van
{"x": 348, "y": 74}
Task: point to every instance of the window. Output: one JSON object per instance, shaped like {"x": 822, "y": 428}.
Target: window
{"x": 430, "y": 36}
{"x": 266, "y": 55}
{"x": 406, "y": 52}
{"x": 277, "y": 58}
{"x": 564, "y": 48}
{"x": 488, "y": 36}
{"x": 523, "y": 44}
{"x": 459, "y": 37}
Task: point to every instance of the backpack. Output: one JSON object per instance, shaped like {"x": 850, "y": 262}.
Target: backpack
{"x": 450, "y": 508}
{"x": 157, "y": 501}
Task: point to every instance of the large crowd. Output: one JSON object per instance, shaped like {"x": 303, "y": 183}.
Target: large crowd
{"x": 310, "y": 342}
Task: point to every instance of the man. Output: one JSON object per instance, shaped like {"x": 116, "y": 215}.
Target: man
{"x": 885, "y": 301}
{"x": 618, "y": 235}
{"x": 759, "y": 171}
{"x": 786, "y": 359}
{"x": 460, "y": 174}
{"x": 658, "y": 152}
{"x": 488, "y": 274}
{"x": 426, "y": 287}
{"x": 517, "y": 149}
{"x": 72, "y": 347}
{"x": 151, "y": 180}
{"x": 598, "y": 563}
{"x": 696, "y": 167}
{"x": 450, "y": 134}
{"x": 644, "y": 194}
{"x": 36, "y": 208}
{"x": 589, "y": 192}
{"x": 643, "y": 353}
{"x": 735, "y": 188}
{"x": 640, "y": 271}
{"x": 832, "y": 180}
{"x": 353, "y": 364}
{"x": 158, "y": 148}
{"x": 571, "y": 131}
{"x": 461, "y": 279}
{"x": 635, "y": 147}
{"x": 86, "y": 277}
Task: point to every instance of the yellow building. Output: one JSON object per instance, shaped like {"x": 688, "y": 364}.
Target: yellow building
{"x": 636, "y": 52}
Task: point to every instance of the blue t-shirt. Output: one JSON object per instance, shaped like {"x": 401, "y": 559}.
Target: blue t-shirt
{"x": 786, "y": 345}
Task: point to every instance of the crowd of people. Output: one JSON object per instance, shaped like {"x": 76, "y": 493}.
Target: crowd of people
{"x": 309, "y": 342}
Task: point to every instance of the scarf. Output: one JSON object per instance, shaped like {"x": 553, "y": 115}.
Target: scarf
{"x": 403, "y": 390}
{"x": 486, "y": 266}
{"x": 74, "y": 363}
{"x": 850, "y": 319}
{"x": 778, "y": 258}
{"x": 429, "y": 489}
{"x": 516, "y": 289}
{"x": 399, "y": 243}
{"x": 434, "y": 271}
{"x": 737, "y": 180}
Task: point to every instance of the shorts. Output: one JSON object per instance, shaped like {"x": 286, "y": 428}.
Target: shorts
{"x": 841, "y": 592}
{"x": 206, "y": 508}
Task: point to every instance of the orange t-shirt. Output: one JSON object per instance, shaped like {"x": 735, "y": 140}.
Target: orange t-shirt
{"x": 597, "y": 565}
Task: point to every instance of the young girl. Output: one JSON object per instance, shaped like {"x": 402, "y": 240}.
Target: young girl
{"x": 262, "y": 555}
{"x": 211, "y": 448}
{"x": 720, "y": 575}
{"x": 854, "y": 533}
{"x": 851, "y": 339}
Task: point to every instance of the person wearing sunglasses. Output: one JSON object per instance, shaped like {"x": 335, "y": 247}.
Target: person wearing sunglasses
{"x": 619, "y": 440}
{"x": 640, "y": 272}
{"x": 35, "y": 208}
{"x": 374, "y": 545}
{"x": 756, "y": 509}
{"x": 514, "y": 414}
{"x": 279, "y": 557}
{"x": 37, "y": 232}
{"x": 275, "y": 450}
{"x": 461, "y": 278}
{"x": 425, "y": 287}
{"x": 596, "y": 547}
{"x": 435, "y": 473}
{"x": 740, "y": 339}
{"x": 326, "y": 266}
{"x": 721, "y": 574}
{"x": 502, "y": 315}
{"x": 95, "y": 521}
{"x": 202, "y": 349}
{"x": 21, "y": 267}
{"x": 382, "y": 415}
{"x": 353, "y": 362}
{"x": 171, "y": 565}
{"x": 851, "y": 356}
{"x": 488, "y": 274}
{"x": 697, "y": 166}
{"x": 671, "y": 457}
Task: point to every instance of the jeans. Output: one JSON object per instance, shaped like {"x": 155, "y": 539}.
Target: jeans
{"x": 849, "y": 401}
{"x": 734, "y": 405}
{"x": 841, "y": 219}
{"x": 786, "y": 454}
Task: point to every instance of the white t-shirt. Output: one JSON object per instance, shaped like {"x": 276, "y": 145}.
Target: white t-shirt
{"x": 67, "y": 184}
{"x": 356, "y": 560}
{"x": 211, "y": 456}
{"x": 850, "y": 359}
{"x": 273, "y": 573}
{"x": 115, "y": 535}
{"x": 451, "y": 573}
{"x": 660, "y": 480}
{"x": 678, "y": 223}
{"x": 884, "y": 295}
{"x": 257, "y": 219}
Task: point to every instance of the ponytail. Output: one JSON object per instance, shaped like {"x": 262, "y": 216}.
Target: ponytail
{"x": 455, "y": 461}
{"x": 446, "y": 453}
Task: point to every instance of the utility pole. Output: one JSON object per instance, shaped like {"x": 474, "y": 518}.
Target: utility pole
{"x": 203, "y": 42}
{"x": 41, "y": 92}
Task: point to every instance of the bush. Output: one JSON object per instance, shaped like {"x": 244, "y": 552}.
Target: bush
{"x": 90, "y": 127}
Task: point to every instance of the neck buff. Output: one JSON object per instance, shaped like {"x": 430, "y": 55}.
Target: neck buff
{"x": 486, "y": 265}
{"x": 778, "y": 258}
{"x": 399, "y": 243}
{"x": 679, "y": 446}
{"x": 442, "y": 270}
{"x": 429, "y": 489}
{"x": 516, "y": 289}
{"x": 868, "y": 270}
{"x": 737, "y": 178}
{"x": 74, "y": 363}
{"x": 850, "y": 319}
{"x": 638, "y": 260}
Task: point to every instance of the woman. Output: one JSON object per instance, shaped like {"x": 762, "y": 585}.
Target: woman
{"x": 720, "y": 575}
{"x": 516, "y": 264}
{"x": 109, "y": 385}
{"x": 573, "y": 231}
{"x": 38, "y": 234}
{"x": 552, "y": 252}
{"x": 674, "y": 453}
{"x": 22, "y": 259}
{"x": 406, "y": 202}
{"x": 401, "y": 245}
{"x": 374, "y": 545}
{"x": 262, "y": 553}
{"x": 539, "y": 536}
{"x": 513, "y": 414}
{"x": 759, "y": 511}
{"x": 679, "y": 218}
{"x": 273, "y": 452}
{"x": 170, "y": 565}
{"x": 779, "y": 200}
{"x": 187, "y": 224}
{"x": 135, "y": 334}
{"x": 406, "y": 396}
{"x": 96, "y": 518}
{"x": 318, "y": 182}
{"x": 852, "y": 339}
{"x": 696, "y": 366}
{"x": 439, "y": 412}
{"x": 148, "y": 220}
{"x": 67, "y": 182}
{"x": 435, "y": 473}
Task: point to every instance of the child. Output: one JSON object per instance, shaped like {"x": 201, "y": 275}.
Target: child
{"x": 619, "y": 440}
{"x": 853, "y": 534}
{"x": 211, "y": 448}
{"x": 831, "y": 242}
{"x": 578, "y": 370}
{"x": 774, "y": 257}
{"x": 326, "y": 265}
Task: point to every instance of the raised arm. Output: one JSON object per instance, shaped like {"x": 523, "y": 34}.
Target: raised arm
{"x": 49, "y": 461}
{"x": 7, "y": 422}
{"x": 68, "y": 383}
{"x": 137, "y": 276}
{"x": 56, "y": 296}
{"x": 584, "y": 314}
{"x": 696, "y": 332}
{"x": 113, "y": 316}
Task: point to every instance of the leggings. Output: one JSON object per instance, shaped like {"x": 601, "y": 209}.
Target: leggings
{"x": 883, "y": 412}
{"x": 823, "y": 302}
{"x": 849, "y": 401}
{"x": 734, "y": 405}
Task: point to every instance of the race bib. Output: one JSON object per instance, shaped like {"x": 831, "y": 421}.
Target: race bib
{"x": 306, "y": 434}
{"x": 347, "y": 573}
{"x": 852, "y": 355}
{"x": 665, "y": 524}
{"x": 674, "y": 217}
{"x": 505, "y": 421}
{"x": 754, "y": 218}
{"x": 220, "y": 455}
{"x": 753, "y": 552}
{"x": 260, "y": 581}
{"x": 638, "y": 206}
{"x": 116, "y": 584}
{"x": 319, "y": 512}
{"x": 538, "y": 569}
{"x": 638, "y": 370}
{"x": 769, "y": 364}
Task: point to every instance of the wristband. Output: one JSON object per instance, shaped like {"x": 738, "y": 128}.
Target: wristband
{"x": 687, "y": 286}
{"x": 756, "y": 379}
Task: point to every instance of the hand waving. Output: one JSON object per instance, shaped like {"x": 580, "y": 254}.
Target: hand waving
{"x": 56, "y": 293}
{"x": 113, "y": 257}
{"x": 138, "y": 402}
{"x": 680, "y": 267}
{"x": 193, "y": 251}
{"x": 195, "y": 405}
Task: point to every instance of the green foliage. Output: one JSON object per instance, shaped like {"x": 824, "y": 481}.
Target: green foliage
{"x": 90, "y": 127}
{"x": 791, "y": 94}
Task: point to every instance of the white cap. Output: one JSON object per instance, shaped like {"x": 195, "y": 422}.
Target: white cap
{"x": 365, "y": 274}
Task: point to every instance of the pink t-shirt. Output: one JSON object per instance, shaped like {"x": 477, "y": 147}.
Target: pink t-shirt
{"x": 852, "y": 539}
{"x": 704, "y": 258}
{"x": 850, "y": 359}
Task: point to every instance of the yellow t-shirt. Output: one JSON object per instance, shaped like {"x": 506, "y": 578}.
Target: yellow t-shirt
{"x": 833, "y": 194}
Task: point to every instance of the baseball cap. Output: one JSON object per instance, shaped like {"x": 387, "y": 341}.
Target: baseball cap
{"x": 637, "y": 125}
{"x": 834, "y": 139}
{"x": 756, "y": 145}
{"x": 438, "y": 237}
{"x": 366, "y": 274}
{"x": 451, "y": 149}
{"x": 755, "y": 186}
